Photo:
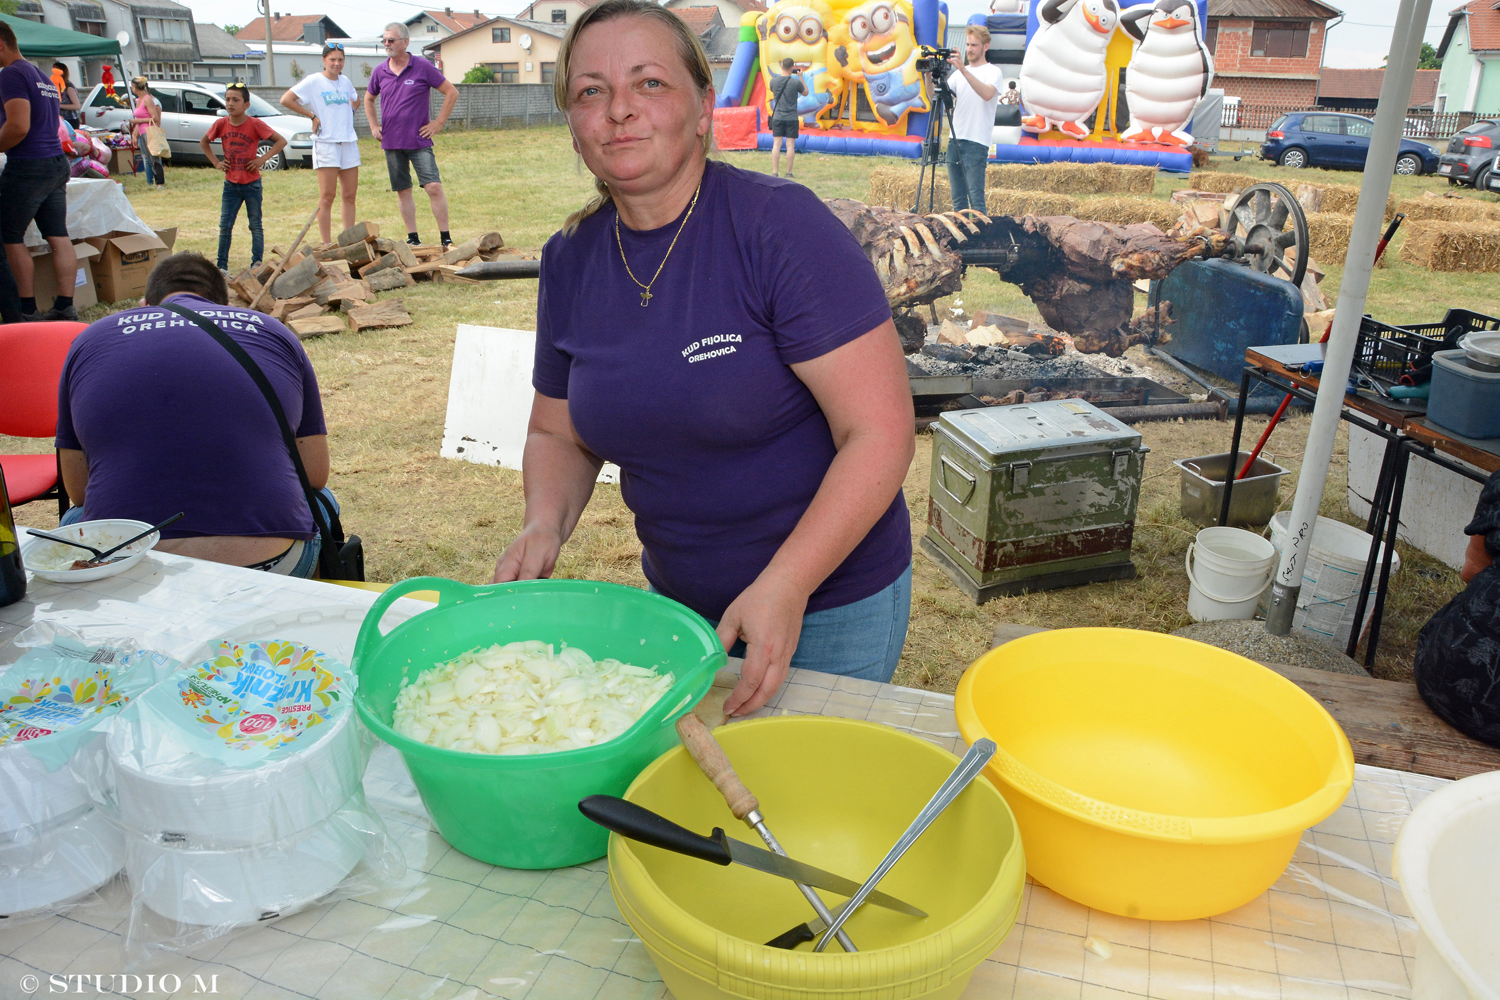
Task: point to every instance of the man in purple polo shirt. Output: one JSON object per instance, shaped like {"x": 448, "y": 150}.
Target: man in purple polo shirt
{"x": 403, "y": 85}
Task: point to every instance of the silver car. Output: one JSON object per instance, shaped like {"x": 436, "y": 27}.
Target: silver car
{"x": 187, "y": 111}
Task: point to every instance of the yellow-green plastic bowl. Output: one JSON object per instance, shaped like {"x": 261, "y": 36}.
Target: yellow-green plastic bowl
{"x": 837, "y": 794}
{"x": 1152, "y": 776}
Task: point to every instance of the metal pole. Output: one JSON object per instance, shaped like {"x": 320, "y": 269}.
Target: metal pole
{"x": 270, "y": 50}
{"x": 1375, "y": 188}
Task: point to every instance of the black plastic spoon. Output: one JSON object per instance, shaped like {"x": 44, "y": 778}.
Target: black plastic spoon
{"x": 65, "y": 541}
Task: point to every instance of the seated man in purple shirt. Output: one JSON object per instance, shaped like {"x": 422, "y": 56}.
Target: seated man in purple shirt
{"x": 404, "y": 86}
{"x": 154, "y": 417}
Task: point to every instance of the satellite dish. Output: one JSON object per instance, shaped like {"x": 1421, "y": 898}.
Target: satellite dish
{"x": 526, "y": 42}
{"x": 123, "y": 38}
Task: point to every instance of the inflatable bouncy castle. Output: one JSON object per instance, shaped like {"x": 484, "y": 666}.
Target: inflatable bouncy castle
{"x": 1099, "y": 80}
{"x": 858, "y": 59}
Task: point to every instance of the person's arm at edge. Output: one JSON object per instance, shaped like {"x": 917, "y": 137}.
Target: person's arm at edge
{"x": 294, "y": 104}
{"x": 74, "y": 106}
{"x": 557, "y": 475}
{"x": 315, "y": 459}
{"x": 450, "y": 98}
{"x": 864, "y": 394}
{"x": 370, "y": 116}
{"x": 75, "y": 474}
{"x": 205, "y": 143}
{"x": 17, "y": 122}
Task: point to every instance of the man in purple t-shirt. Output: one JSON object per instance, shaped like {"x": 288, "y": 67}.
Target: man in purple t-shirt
{"x": 34, "y": 185}
{"x": 154, "y": 417}
{"x": 404, "y": 86}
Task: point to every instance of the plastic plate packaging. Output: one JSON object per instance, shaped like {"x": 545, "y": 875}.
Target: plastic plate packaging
{"x": 54, "y": 849}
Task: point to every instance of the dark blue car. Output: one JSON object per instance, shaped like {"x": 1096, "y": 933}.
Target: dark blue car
{"x": 1325, "y": 139}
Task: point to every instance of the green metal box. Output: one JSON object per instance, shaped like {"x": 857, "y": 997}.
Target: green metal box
{"x": 1032, "y": 497}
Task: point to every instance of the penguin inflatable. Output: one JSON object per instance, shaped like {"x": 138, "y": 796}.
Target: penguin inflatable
{"x": 1062, "y": 73}
{"x": 1168, "y": 73}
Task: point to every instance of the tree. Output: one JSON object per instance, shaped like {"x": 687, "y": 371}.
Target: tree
{"x": 232, "y": 29}
{"x": 479, "y": 74}
{"x": 296, "y": 70}
{"x": 1426, "y": 59}
{"x": 365, "y": 69}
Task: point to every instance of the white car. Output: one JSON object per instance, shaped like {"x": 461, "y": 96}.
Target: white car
{"x": 187, "y": 111}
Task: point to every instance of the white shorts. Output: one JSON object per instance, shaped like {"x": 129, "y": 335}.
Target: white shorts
{"x": 344, "y": 155}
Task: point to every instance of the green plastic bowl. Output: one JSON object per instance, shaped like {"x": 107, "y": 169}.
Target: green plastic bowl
{"x": 522, "y": 811}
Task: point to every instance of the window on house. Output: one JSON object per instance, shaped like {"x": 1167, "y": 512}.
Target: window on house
{"x": 509, "y": 72}
{"x": 162, "y": 29}
{"x": 499, "y": 34}
{"x": 1279, "y": 40}
{"x": 1211, "y": 34}
{"x": 548, "y": 69}
{"x": 166, "y": 71}
{"x": 559, "y": 16}
{"x": 432, "y": 29}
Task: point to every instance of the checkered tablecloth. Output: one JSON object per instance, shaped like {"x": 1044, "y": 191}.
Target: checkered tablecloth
{"x": 1333, "y": 926}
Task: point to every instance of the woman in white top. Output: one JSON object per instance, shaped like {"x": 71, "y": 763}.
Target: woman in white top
{"x": 328, "y": 98}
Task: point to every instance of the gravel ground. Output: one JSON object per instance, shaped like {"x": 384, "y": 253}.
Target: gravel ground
{"x": 1250, "y": 639}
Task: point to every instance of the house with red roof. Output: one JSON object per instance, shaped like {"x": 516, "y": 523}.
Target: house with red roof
{"x": 1470, "y": 50}
{"x": 314, "y": 29}
{"x": 1358, "y": 90}
{"x": 434, "y": 25}
{"x": 1269, "y": 52}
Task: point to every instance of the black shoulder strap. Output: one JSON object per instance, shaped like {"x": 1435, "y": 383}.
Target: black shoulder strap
{"x": 327, "y": 557}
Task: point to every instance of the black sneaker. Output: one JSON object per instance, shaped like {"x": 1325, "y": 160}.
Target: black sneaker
{"x": 413, "y": 242}
{"x": 68, "y": 315}
{"x": 447, "y": 242}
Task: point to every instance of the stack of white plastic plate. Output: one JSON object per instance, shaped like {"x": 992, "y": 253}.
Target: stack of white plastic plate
{"x": 198, "y": 885}
{"x": 32, "y": 796}
{"x": 43, "y": 867}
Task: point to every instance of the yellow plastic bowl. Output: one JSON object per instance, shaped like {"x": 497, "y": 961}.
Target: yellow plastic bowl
{"x": 837, "y": 794}
{"x": 1152, "y": 776}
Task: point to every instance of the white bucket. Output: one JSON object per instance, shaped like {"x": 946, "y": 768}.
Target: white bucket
{"x": 1227, "y": 570}
{"x": 1450, "y": 875}
{"x": 1331, "y": 575}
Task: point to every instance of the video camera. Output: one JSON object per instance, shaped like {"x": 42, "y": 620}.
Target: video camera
{"x": 935, "y": 61}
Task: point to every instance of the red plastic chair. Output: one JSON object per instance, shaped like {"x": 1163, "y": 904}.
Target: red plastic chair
{"x": 31, "y": 363}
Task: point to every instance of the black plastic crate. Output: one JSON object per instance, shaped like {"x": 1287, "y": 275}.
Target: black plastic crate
{"x": 1386, "y": 351}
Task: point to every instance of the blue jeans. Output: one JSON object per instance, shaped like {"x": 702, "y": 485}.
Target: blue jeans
{"x": 236, "y": 195}
{"x": 862, "y": 640}
{"x": 966, "y": 165}
{"x": 151, "y": 166}
{"x": 307, "y": 563}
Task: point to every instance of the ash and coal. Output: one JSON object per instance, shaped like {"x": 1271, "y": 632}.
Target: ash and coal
{"x": 998, "y": 362}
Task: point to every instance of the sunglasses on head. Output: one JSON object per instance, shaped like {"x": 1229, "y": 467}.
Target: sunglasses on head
{"x": 336, "y": 45}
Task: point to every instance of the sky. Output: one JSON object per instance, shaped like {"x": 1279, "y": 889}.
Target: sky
{"x": 1362, "y": 39}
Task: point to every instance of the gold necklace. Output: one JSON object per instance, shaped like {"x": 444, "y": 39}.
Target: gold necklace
{"x": 646, "y": 286}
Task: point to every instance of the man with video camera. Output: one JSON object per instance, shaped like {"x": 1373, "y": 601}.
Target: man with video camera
{"x": 976, "y": 90}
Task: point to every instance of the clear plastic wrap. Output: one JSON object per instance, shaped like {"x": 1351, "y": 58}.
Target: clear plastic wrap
{"x": 55, "y": 849}
{"x": 235, "y": 785}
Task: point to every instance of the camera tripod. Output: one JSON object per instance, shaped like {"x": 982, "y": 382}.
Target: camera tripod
{"x": 942, "y": 107}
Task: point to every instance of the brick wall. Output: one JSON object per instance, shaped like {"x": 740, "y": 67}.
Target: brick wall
{"x": 1232, "y": 51}
{"x": 1270, "y": 91}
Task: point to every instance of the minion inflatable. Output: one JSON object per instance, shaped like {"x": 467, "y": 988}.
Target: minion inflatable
{"x": 882, "y": 55}
{"x": 798, "y": 30}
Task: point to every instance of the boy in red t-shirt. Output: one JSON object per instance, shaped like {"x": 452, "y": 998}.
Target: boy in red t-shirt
{"x": 241, "y": 137}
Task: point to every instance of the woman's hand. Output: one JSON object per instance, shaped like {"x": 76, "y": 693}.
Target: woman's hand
{"x": 532, "y": 556}
{"x": 768, "y": 616}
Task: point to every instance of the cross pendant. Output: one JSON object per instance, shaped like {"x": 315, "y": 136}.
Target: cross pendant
{"x": 645, "y": 298}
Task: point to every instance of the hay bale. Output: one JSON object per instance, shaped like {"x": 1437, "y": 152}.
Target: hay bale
{"x": 1448, "y": 210}
{"x": 1120, "y": 178}
{"x": 1344, "y": 198}
{"x": 1128, "y": 211}
{"x": 1220, "y": 183}
{"x": 1328, "y": 233}
{"x": 1006, "y": 201}
{"x": 1453, "y": 246}
{"x": 896, "y": 187}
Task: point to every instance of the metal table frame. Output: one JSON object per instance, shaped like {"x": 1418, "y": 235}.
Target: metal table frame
{"x": 1385, "y": 505}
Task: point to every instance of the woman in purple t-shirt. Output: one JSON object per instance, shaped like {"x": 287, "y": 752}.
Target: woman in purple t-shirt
{"x": 721, "y": 337}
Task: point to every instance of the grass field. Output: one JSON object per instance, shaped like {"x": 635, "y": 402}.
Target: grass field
{"x": 385, "y": 394}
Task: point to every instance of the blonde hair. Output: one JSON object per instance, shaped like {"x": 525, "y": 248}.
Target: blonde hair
{"x": 694, "y": 59}
{"x": 141, "y": 83}
{"x": 980, "y": 32}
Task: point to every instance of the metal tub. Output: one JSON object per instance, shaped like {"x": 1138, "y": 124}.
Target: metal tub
{"x": 1254, "y": 500}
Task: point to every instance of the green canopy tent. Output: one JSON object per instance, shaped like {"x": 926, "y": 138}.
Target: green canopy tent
{"x": 42, "y": 41}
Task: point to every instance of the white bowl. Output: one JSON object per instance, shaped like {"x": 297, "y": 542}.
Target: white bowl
{"x": 242, "y": 886}
{"x": 101, "y": 535}
{"x": 59, "y": 863}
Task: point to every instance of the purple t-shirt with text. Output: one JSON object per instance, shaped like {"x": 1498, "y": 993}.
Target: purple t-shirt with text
{"x": 170, "y": 422}
{"x": 405, "y": 104}
{"x": 720, "y": 445}
{"x": 23, "y": 81}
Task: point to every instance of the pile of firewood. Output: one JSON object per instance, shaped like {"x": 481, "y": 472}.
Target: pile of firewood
{"x": 334, "y": 289}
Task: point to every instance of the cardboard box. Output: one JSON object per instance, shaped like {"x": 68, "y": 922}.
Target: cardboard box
{"x": 44, "y": 281}
{"x": 122, "y": 161}
{"x": 125, "y": 261}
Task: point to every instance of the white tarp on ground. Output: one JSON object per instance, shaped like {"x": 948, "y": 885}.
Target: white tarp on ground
{"x": 489, "y": 398}
{"x": 97, "y": 206}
